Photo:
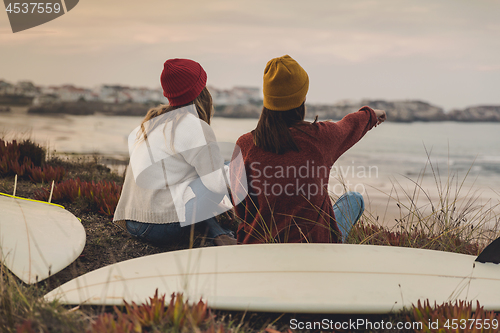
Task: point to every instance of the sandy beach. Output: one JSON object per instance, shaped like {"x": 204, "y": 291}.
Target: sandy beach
{"x": 397, "y": 198}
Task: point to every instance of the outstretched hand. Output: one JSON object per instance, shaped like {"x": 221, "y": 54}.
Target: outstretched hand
{"x": 381, "y": 116}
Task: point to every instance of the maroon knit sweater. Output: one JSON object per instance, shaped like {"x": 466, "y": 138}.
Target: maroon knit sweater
{"x": 287, "y": 199}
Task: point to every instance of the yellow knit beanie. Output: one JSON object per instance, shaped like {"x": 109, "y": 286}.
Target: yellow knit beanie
{"x": 285, "y": 84}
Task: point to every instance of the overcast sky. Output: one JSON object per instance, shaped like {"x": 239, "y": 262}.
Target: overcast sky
{"x": 446, "y": 52}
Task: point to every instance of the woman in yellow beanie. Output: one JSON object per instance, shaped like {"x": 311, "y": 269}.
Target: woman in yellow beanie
{"x": 287, "y": 161}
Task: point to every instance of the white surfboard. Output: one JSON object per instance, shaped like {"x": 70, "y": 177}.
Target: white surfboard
{"x": 37, "y": 239}
{"x": 303, "y": 278}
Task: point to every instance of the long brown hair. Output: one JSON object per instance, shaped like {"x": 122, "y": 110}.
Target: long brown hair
{"x": 273, "y": 129}
{"x": 204, "y": 108}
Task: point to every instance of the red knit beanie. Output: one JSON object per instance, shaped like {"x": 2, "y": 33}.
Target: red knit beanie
{"x": 182, "y": 81}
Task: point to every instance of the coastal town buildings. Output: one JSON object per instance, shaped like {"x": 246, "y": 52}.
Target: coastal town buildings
{"x": 236, "y": 102}
{"x": 235, "y": 96}
{"x": 238, "y": 95}
{"x": 123, "y": 94}
{"x": 26, "y": 88}
{"x": 64, "y": 93}
{"x": 40, "y": 95}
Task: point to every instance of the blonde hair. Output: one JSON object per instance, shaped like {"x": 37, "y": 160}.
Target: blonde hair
{"x": 204, "y": 108}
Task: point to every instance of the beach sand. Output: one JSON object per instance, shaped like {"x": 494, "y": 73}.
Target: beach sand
{"x": 390, "y": 199}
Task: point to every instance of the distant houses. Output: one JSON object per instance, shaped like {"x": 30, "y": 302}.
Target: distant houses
{"x": 124, "y": 94}
{"x": 64, "y": 93}
{"x": 25, "y": 88}
{"x": 236, "y": 95}
{"x": 104, "y": 93}
{"x": 237, "y": 102}
{"x": 70, "y": 93}
{"x": 21, "y": 93}
{"x": 116, "y": 94}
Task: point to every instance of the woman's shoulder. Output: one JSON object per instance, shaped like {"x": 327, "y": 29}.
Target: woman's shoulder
{"x": 245, "y": 139}
{"x": 190, "y": 123}
{"x": 245, "y": 142}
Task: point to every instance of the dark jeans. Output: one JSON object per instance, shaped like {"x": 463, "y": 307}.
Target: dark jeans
{"x": 167, "y": 233}
{"x": 201, "y": 208}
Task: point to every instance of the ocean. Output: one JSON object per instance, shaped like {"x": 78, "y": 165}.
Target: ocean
{"x": 392, "y": 155}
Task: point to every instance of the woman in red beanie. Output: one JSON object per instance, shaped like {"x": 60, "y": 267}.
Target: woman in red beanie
{"x": 176, "y": 176}
{"x": 287, "y": 162}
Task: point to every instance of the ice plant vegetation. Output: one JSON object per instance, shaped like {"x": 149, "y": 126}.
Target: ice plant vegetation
{"x": 156, "y": 316}
{"x": 102, "y": 196}
{"x": 27, "y": 160}
{"x": 454, "y": 317}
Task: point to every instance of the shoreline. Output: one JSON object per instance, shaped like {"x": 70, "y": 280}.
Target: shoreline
{"x": 23, "y": 110}
{"x": 399, "y": 111}
{"x": 106, "y": 138}
{"x": 404, "y": 200}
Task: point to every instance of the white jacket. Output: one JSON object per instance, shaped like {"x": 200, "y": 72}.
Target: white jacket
{"x": 156, "y": 183}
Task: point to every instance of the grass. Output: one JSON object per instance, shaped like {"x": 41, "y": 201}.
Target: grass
{"x": 22, "y": 309}
{"x": 453, "y": 222}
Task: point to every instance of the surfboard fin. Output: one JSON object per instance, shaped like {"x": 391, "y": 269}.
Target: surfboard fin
{"x": 491, "y": 253}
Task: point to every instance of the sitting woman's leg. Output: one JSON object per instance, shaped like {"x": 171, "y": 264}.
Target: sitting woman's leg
{"x": 348, "y": 210}
{"x": 158, "y": 234}
{"x": 219, "y": 235}
{"x": 203, "y": 208}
